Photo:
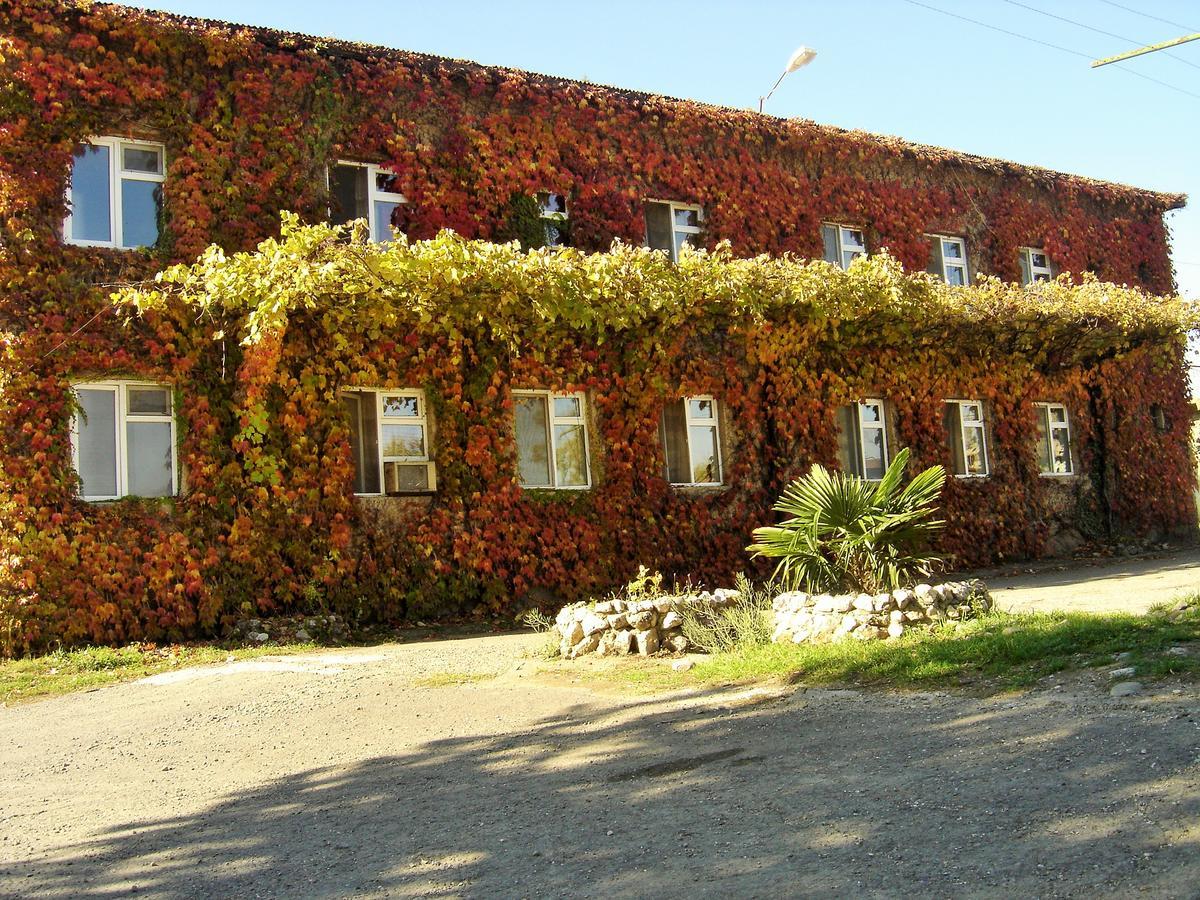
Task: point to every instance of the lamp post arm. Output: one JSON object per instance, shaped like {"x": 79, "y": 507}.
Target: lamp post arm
{"x": 778, "y": 82}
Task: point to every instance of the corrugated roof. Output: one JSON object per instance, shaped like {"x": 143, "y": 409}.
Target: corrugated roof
{"x": 338, "y": 48}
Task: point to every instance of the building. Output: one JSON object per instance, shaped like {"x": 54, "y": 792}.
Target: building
{"x": 135, "y": 139}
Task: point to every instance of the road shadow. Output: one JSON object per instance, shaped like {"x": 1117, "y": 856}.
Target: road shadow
{"x": 823, "y": 794}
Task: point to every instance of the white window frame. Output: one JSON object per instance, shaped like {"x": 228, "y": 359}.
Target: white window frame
{"x": 945, "y": 263}
{"x": 551, "y": 421}
{"x": 713, "y": 423}
{"x": 679, "y": 229}
{"x": 981, "y": 425}
{"x": 1035, "y": 271}
{"x": 552, "y": 218}
{"x": 119, "y": 388}
{"x": 843, "y": 247}
{"x": 1043, "y": 411}
{"x": 422, "y": 419}
{"x": 116, "y": 174}
{"x": 373, "y": 193}
{"x": 864, "y": 426}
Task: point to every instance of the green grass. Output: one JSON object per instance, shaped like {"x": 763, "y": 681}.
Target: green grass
{"x": 65, "y": 671}
{"x": 999, "y": 651}
{"x": 451, "y": 679}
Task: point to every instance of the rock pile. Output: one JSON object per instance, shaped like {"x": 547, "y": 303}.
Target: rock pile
{"x": 615, "y": 627}
{"x": 801, "y": 617}
{"x": 322, "y": 629}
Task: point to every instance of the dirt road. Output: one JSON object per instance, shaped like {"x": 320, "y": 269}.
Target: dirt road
{"x": 336, "y": 775}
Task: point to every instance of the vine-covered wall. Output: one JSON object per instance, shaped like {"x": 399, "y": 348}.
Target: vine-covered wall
{"x": 250, "y": 120}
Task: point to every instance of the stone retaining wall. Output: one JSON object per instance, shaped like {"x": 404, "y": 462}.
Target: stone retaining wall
{"x": 615, "y": 627}
{"x": 801, "y": 617}
{"x": 619, "y": 627}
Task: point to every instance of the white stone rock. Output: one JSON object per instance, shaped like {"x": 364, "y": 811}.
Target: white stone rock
{"x": 671, "y": 619}
{"x": 677, "y": 643}
{"x": 572, "y": 633}
{"x": 895, "y": 630}
{"x": 922, "y": 590}
{"x": 604, "y": 609}
{"x": 865, "y": 602}
{"x": 642, "y": 620}
{"x": 1125, "y": 689}
{"x": 565, "y": 615}
{"x": 587, "y": 645}
{"x": 839, "y": 605}
{"x": 617, "y": 621}
{"x": 1124, "y": 672}
{"x": 593, "y": 624}
{"x": 902, "y": 598}
{"x": 882, "y": 603}
{"x": 683, "y": 665}
{"x": 895, "y": 616}
{"x": 647, "y": 642}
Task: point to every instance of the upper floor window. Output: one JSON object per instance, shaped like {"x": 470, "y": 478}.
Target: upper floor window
{"x": 364, "y": 191}
{"x": 389, "y": 439}
{"x": 862, "y": 439}
{"x": 123, "y": 440}
{"x": 553, "y": 212}
{"x": 691, "y": 437}
{"x": 552, "y": 439}
{"x": 671, "y": 225}
{"x": 843, "y": 244}
{"x": 967, "y": 434}
{"x": 115, "y": 195}
{"x": 1054, "y": 439}
{"x": 1035, "y": 266}
{"x": 949, "y": 259}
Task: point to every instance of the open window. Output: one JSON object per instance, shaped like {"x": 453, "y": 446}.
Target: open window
{"x": 1053, "y": 439}
{"x": 390, "y": 442}
{"x": 948, "y": 259}
{"x": 553, "y": 213}
{"x": 1035, "y": 266}
{"x": 115, "y": 194}
{"x": 966, "y": 433}
{"x": 670, "y": 225}
{"x": 691, "y": 438}
{"x": 843, "y": 244}
{"x": 862, "y": 439}
{"x": 123, "y": 440}
{"x": 552, "y": 440}
{"x": 364, "y": 191}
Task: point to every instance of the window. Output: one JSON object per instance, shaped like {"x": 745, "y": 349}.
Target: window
{"x": 1158, "y": 415}
{"x": 691, "y": 437}
{"x": 363, "y": 191}
{"x": 553, "y": 208}
{"x": 1054, "y": 439}
{"x": 843, "y": 245}
{"x": 966, "y": 432}
{"x": 389, "y": 438}
{"x": 1035, "y": 266}
{"x": 552, "y": 441}
{"x": 123, "y": 440}
{"x": 115, "y": 195}
{"x": 671, "y": 225}
{"x": 948, "y": 260}
{"x": 862, "y": 439}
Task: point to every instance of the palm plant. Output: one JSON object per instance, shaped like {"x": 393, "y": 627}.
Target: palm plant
{"x": 844, "y": 533}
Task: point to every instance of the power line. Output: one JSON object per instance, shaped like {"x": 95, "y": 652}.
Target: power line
{"x": 1024, "y": 37}
{"x": 1138, "y": 12}
{"x": 1119, "y": 37}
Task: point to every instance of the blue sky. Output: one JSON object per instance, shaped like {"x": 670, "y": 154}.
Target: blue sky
{"x": 892, "y": 66}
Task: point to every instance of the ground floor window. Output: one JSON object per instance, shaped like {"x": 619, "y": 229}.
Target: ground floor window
{"x": 552, "y": 439}
{"x": 123, "y": 440}
{"x": 967, "y": 434}
{"x": 1054, "y": 439}
{"x": 691, "y": 439}
{"x": 389, "y": 439}
{"x": 862, "y": 439}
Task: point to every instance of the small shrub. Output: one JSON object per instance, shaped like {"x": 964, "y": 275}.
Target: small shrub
{"x": 847, "y": 534}
{"x": 740, "y": 626}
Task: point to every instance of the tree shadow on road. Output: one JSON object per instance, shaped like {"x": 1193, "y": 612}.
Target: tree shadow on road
{"x": 821, "y": 794}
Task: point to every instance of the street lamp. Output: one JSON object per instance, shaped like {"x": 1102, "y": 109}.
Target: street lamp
{"x": 798, "y": 60}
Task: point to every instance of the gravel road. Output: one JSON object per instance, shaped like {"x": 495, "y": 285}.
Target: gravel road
{"x": 338, "y": 774}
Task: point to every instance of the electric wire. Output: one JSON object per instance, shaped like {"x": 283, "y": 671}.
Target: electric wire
{"x": 1119, "y": 37}
{"x": 1033, "y": 40}
{"x": 1138, "y": 12}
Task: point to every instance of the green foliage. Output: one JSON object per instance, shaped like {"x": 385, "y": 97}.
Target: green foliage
{"x": 1003, "y": 650}
{"x": 739, "y": 626}
{"x": 845, "y": 533}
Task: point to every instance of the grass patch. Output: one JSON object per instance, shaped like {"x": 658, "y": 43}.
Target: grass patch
{"x": 450, "y": 679}
{"x": 1002, "y": 650}
{"x": 66, "y": 671}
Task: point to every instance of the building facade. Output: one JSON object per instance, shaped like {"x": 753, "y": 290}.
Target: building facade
{"x": 486, "y": 476}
